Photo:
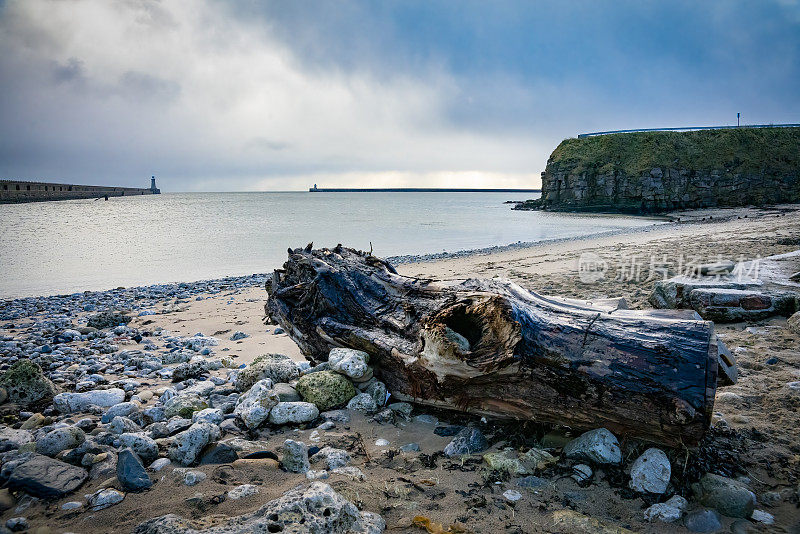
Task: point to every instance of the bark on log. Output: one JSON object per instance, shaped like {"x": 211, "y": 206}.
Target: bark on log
{"x": 491, "y": 347}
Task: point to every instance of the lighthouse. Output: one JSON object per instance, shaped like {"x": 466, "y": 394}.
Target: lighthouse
{"x": 153, "y": 189}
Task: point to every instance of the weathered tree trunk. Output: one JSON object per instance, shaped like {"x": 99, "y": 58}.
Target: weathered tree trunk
{"x": 491, "y": 347}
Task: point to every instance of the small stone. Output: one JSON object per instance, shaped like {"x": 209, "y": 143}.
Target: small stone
{"x": 78, "y": 402}
{"x": 239, "y": 335}
{"x": 255, "y": 405}
{"x": 668, "y": 512}
{"x": 599, "y": 446}
{"x": 581, "y": 473}
{"x": 295, "y": 456}
{"x": 703, "y": 521}
{"x": 381, "y": 442}
{"x": 727, "y": 496}
{"x": 221, "y": 453}
{"x": 468, "y": 441}
{"x": 192, "y": 478}
{"x": 364, "y": 403}
{"x": 410, "y": 447}
{"x": 17, "y": 524}
{"x": 72, "y": 505}
{"x": 131, "y": 473}
{"x": 105, "y": 498}
{"x": 650, "y": 472}
{"x": 325, "y": 389}
{"x": 187, "y": 445}
{"x": 333, "y": 458}
{"x": 293, "y": 412}
{"x": 512, "y": 495}
{"x": 763, "y": 517}
{"x": 349, "y": 362}
{"x": 159, "y": 464}
{"x": 240, "y": 492}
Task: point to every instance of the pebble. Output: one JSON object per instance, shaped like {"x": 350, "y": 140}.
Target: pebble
{"x": 240, "y": 492}
{"x": 17, "y": 524}
{"x": 599, "y": 446}
{"x": 295, "y": 456}
{"x": 104, "y": 498}
{"x": 650, "y": 472}
{"x": 581, "y": 473}
{"x": 762, "y": 517}
{"x": 703, "y": 521}
{"x": 467, "y": 441}
{"x": 512, "y": 495}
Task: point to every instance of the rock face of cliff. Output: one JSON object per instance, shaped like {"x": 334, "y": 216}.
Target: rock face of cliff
{"x": 659, "y": 171}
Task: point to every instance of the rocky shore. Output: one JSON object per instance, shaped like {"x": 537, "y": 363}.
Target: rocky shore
{"x": 174, "y": 408}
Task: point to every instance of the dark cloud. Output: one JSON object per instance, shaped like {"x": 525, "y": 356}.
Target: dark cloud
{"x": 254, "y": 94}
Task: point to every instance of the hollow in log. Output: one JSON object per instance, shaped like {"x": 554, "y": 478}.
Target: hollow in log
{"x": 491, "y": 347}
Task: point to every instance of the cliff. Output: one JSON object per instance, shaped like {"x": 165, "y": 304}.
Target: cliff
{"x": 658, "y": 171}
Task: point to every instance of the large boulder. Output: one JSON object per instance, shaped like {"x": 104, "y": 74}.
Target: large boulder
{"x": 315, "y": 509}
{"x": 794, "y": 323}
{"x": 26, "y": 384}
{"x": 326, "y": 389}
{"x": 42, "y": 476}
{"x": 255, "y": 405}
{"x": 276, "y": 367}
{"x": 79, "y": 402}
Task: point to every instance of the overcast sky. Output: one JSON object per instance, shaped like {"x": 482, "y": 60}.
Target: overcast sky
{"x": 252, "y": 95}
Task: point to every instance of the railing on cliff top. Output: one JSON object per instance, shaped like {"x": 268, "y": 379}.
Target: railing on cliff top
{"x": 688, "y": 129}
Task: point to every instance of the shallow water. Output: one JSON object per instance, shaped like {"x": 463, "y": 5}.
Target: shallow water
{"x": 76, "y": 245}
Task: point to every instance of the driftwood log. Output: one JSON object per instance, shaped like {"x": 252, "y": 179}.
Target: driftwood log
{"x": 491, "y": 347}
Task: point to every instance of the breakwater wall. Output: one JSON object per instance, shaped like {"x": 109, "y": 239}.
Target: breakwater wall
{"x": 650, "y": 172}
{"x": 15, "y": 191}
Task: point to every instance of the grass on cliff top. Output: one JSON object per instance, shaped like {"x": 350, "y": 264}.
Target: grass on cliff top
{"x": 740, "y": 150}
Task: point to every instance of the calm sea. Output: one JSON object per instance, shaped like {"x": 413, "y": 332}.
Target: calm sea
{"x": 76, "y": 245}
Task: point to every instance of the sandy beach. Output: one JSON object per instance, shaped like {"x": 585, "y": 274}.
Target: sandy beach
{"x": 753, "y": 436}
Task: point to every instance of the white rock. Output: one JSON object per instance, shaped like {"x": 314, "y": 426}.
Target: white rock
{"x": 142, "y": 444}
{"x": 254, "y": 406}
{"x": 598, "y": 445}
{"x": 105, "y": 498}
{"x": 364, "y": 403}
{"x": 349, "y": 362}
{"x": 11, "y": 438}
{"x": 512, "y": 495}
{"x": 76, "y": 402}
{"x": 187, "y": 445}
{"x": 191, "y": 478}
{"x": 209, "y": 415}
{"x": 650, "y": 472}
{"x": 293, "y": 412}
{"x": 245, "y": 490}
{"x": 159, "y": 464}
{"x": 762, "y": 517}
{"x": 381, "y": 442}
{"x": 332, "y": 457}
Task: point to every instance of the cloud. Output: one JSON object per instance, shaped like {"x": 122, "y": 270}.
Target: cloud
{"x": 275, "y": 95}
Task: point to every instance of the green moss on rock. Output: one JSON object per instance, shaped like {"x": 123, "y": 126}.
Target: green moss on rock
{"x": 326, "y": 390}
{"x": 26, "y": 384}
